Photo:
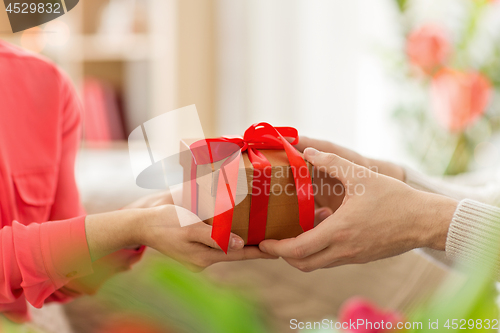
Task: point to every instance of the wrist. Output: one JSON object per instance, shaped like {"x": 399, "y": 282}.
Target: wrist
{"x": 154, "y": 218}
{"x": 134, "y": 227}
{"x": 109, "y": 232}
{"x": 434, "y": 216}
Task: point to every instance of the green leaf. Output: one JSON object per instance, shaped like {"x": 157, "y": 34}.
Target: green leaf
{"x": 402, "y": 5}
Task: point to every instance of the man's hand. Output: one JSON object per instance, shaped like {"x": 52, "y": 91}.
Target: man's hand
{"x": 383, "y": 167}
{"x": 329, "y": 192}
{"x": 379, "y": 217}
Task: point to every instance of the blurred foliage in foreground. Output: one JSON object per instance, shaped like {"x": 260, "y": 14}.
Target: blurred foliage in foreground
{"x": 167, "y": 294}
{"x": 162, "y": 296}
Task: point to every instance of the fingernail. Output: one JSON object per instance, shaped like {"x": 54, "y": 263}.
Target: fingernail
{"x": 262, "y": 247}
{"x": 310, "y": 152}
{"x": 324, "y": 214}
{"x": 237, "y": 243}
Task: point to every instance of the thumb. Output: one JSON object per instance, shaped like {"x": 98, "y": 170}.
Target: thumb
{"x": 333, "y": 165}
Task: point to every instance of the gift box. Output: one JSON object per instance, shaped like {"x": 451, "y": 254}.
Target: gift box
{"x": 258, "y": 187}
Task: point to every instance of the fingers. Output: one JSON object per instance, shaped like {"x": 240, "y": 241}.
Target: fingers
{"x": 322, "y": 145}
{"x": 246, "y": 253}
{"x": 326, "y": 258}
{"x": 202, "y": 233}
{"x": 330, "y": 147}
{"x": 333, "y": 165}
{"x": 305, "y": 142}
{"x": 312, "y": 263}
{"x": 300, "y": 247}
{"x": 206, "y": 257}
{"x": 321, "y": 214}
{"x": 337, "y": 263}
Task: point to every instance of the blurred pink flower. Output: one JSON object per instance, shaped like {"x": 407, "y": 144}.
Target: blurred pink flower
{"x": 459, "y": 98}
{"x": 428, "y": 48}
{"x": 359, "y": 310}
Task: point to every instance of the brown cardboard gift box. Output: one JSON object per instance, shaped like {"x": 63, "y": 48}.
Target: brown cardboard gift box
{"x": 283, "y": 209}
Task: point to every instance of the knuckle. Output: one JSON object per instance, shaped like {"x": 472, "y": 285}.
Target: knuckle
{"x": 330, "y": 159}
{"x": 349, "y": 255}
{"x": 246, "y": 256}
{"x": 190, "y": 232}
{"x": 362, "y": 260}
{"x": 341, "y": 236}
{"x": 352, "y": 254}
{"x": 299, "y": 252}
{"x": 303, "y": 267}
{"x": 202, "y": 261}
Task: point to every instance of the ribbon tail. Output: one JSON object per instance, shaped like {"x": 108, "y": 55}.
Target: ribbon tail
{"x": 261, "y": 184}
{"x": 303, "y": 185}
{"x": 225, "y": 201}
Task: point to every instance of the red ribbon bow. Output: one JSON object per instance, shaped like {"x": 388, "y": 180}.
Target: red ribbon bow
{"x": 257, "y": 136}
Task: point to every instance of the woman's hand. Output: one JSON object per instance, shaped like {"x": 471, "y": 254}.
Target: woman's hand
{"x": 178, "y": 233}
{"x": 378, "y": 218}
{"x": 172, "y": 230}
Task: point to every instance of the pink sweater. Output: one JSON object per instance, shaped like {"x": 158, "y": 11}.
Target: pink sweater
{"x": 43, "y": 248}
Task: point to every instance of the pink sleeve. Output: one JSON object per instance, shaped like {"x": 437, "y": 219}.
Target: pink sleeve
{"x": 38, "y": 259}
{"x": 51, "y": 261}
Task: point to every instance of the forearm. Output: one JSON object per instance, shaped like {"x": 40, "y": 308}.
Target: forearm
{"x": 488, "y": 193}
{"x": 109, "y": 232}
{"x": 113, "y": 231}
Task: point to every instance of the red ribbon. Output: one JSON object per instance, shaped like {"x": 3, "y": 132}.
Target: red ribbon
{"x": 257, "y": 136}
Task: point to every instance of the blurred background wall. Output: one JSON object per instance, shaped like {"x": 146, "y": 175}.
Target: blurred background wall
{"x": 307, "y": 64}
{"x": 335, "y": 70}
{"x": 288, "y": 62}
